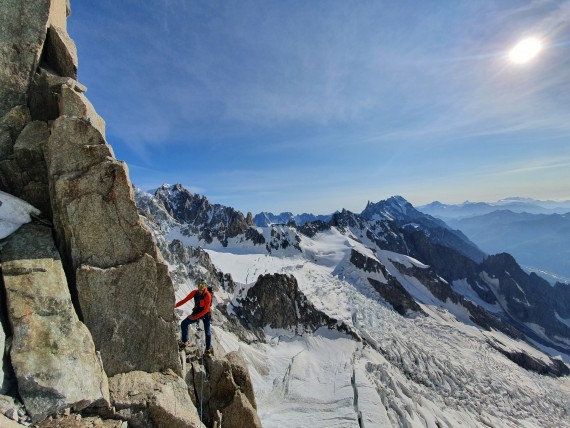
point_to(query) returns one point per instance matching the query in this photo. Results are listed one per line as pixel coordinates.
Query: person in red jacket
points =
(202, 302)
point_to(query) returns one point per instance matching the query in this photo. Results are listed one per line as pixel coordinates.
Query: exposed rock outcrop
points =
(60, 52)
(223, 390)
(275, 300)
(76, 421)
(528, 299)
(104, 242)
(139, 333)
(391, 290)
(153, 399)
(24, 171)
(22, 35)
(11, 125)
(52, 352)
(550, 367)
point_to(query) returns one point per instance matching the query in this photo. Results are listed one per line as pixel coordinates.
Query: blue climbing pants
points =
(207, 329)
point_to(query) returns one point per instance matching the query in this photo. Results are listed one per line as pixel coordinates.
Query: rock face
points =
(224, 389)
(529, 299)
(139, 333)
(107, 249)
(24, 171)
(391, 291)
(22, 35)
(52, 353)
(276, 301)
(153, 399)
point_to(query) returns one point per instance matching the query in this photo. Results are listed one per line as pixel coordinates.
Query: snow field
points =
(14, 212)
(423, 372)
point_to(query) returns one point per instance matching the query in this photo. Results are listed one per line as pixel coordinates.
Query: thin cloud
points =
(537, 165)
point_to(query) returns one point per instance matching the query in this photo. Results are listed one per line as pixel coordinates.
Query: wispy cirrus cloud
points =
(267, 99)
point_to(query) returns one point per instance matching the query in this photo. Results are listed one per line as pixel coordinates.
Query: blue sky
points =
(315, 106)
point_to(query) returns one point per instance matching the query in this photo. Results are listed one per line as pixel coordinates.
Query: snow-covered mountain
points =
(374, 320)
(410, 220)
(264, 219)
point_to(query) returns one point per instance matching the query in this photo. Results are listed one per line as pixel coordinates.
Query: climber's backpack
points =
(198, 297)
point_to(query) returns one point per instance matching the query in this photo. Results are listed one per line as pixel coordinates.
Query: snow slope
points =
(434, 371)
(14, 212)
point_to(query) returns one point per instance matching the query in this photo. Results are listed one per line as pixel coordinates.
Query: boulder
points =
(11, 124)
(60, 52)
(153, 399)
(45, 92)
(241, 376)
(8, 423)
(224, 390)
(74, 147)
(240, 413)
(58, 13)
(52, 353)
(25, 170)
(23, 25)
(74, 104)
(128, 314)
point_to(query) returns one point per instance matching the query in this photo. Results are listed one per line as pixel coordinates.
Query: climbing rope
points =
(202, 384)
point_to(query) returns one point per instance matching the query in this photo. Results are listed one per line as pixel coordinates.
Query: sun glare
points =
(525, 50)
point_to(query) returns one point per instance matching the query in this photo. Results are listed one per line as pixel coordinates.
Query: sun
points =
(525, 50)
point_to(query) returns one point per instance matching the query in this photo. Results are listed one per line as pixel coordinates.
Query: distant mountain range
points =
(264, 219)
(536, 233)
(514, 204)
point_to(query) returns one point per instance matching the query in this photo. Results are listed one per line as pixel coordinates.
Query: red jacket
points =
(204, 303)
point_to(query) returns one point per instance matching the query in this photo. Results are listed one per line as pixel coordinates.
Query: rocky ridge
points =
(264, 219)
(201, 218)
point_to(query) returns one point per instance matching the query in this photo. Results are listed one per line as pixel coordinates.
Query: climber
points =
(202, 302)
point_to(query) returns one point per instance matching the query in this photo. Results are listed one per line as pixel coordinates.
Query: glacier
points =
(435, 368)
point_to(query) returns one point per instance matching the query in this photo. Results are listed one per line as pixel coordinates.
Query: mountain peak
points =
(399, 202)
(391, 208)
